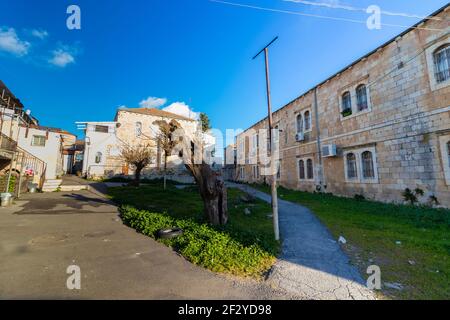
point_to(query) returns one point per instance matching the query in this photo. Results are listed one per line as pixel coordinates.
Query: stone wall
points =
(405, 127)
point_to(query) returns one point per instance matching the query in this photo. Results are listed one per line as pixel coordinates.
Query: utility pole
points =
(273, 171)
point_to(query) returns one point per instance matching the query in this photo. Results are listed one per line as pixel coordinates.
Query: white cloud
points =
(39, 33)
(152, 102)
(182, 109)
(11, 43)
(62, 56)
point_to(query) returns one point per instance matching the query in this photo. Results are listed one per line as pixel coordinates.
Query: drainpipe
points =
(320, 170)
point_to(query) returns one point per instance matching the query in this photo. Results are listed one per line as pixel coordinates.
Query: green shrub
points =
(202, 244)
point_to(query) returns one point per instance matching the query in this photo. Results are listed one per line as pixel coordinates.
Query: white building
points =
(136, 127)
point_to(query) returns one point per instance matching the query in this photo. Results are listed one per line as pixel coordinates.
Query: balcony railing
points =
(6, 143)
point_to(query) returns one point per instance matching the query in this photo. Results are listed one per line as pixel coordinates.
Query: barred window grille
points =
(448, 153)
(307, 121)
(301, 169)
(299, 123)
(367, 165)
(361, 97)
(347, 103)
(352, 171)
(442, 63)
(309, 169)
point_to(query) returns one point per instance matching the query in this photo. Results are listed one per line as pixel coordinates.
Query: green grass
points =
(372, 230)
(244, 247)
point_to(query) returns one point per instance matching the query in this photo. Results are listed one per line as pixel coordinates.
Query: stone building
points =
(375, 128)
(132, 127)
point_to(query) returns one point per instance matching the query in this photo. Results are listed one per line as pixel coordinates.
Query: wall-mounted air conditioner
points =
(300, 137)
(329, 150)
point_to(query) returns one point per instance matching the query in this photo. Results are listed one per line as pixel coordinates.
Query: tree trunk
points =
(213, 193)
(137, 176)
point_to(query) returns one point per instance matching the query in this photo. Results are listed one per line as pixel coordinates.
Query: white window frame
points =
(443, 140)
(429, 53)
(302, 114)
(347, 178)
(358, 154)
(354, 100)
(305, 168)
(40, 137)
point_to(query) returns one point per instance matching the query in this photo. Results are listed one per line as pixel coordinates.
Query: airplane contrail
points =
(242, 5)
(337, 5)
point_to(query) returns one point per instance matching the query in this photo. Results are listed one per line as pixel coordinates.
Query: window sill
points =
(355, 114)
(363, 181)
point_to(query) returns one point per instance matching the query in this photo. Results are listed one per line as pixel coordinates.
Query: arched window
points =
(448, 152)
(442, 63)
(301, 170)
(138, 129)
(361, 97)
(299, 123)
(98, 157)
(352, 172)
(309, 169)
(307, 120)
(346, 104)
(367, 165)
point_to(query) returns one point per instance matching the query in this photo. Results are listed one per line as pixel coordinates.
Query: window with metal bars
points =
(352, 171)
(346, 104)
(309, 169)
(307, 121)
(301, 170)
(448, 153)
(299, 123)
(361, 97)
(442, 63)
(367, 165)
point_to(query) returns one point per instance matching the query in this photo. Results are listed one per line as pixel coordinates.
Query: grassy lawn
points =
(244, 247)
(420, 261)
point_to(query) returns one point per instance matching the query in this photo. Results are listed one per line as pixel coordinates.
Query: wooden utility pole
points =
(273, 159)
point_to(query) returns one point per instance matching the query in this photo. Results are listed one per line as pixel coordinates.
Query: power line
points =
(351, 8)
(315, 15)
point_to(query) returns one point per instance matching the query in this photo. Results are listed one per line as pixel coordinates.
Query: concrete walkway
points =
(42, 234)
(311, 263)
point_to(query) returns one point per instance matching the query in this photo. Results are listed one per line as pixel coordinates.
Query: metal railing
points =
(6, 143)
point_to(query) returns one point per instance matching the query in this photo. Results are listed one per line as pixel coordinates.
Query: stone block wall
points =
(406, 125)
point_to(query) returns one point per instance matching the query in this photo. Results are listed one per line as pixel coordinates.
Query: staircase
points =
(51, 185)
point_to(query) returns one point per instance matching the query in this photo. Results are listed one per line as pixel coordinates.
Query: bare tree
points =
(139, 157)
(166, 140)
(211, 188)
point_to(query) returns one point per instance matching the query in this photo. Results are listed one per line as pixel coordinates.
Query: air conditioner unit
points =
(300, 137)
(329, 150)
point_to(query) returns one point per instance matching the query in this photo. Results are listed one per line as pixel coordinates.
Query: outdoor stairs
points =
(52, 185)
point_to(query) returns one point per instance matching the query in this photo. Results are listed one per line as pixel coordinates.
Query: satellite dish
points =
(28, 112)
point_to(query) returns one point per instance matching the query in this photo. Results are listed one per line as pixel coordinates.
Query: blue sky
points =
(193, 51)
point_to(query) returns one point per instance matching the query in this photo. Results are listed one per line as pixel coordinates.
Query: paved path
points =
(311, 263)
(42, 234)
